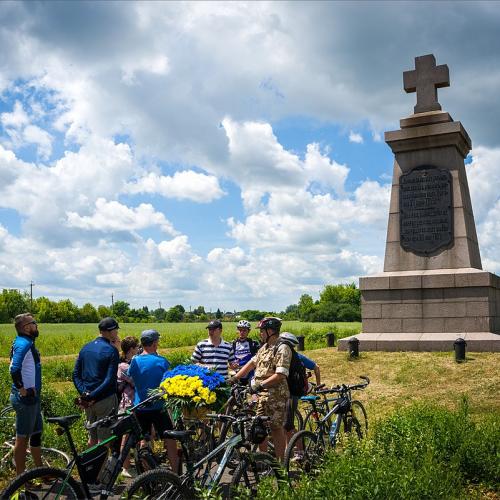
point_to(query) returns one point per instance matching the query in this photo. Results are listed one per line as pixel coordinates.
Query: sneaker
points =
(128, 474)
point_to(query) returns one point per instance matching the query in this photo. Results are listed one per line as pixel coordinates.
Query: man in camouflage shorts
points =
(271, 365)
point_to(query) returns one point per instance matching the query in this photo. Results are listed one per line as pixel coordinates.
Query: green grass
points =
(68, 338)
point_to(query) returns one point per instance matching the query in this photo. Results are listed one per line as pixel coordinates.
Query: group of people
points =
(114, 374)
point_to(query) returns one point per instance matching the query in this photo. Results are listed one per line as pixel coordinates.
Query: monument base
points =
(423, 342)
(428, 310)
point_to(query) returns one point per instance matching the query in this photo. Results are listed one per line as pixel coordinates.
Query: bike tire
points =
(357, 420)
(253, 469)
(156, 484)
(44, 482)
(298, 420)
(303, 455)
(310, 422)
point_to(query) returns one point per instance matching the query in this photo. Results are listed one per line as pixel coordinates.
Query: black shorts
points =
(159, 419)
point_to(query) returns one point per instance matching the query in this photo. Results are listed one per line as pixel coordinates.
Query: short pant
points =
(158, 419)
(28, 414)
(272, 403)
(291, 408)
(98, 410)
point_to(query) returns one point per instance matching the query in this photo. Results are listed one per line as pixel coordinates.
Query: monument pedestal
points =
(433, 289)
(428, 310)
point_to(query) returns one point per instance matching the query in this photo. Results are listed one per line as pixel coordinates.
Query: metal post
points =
(354, 348)
(330, 339)
(300, 347)
(459, 345)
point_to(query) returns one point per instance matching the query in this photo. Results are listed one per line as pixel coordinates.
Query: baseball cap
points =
(215, 323)
(149, 336)
(108, 324)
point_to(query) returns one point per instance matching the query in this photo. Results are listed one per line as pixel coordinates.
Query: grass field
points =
(68, 338)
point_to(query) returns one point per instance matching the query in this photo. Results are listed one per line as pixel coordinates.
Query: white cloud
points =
(35, 135)
(183, 185)
(355, 137)
(113, 216)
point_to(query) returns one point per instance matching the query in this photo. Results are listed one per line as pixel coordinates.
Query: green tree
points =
(341, 294)
(306, 307)
(103, 312)
(199, 310)
(88, 314)
(218, 314)
(174, 315)
(13, 302)
(66, 311)
(46, 310)
(160, 314)
(120, 309)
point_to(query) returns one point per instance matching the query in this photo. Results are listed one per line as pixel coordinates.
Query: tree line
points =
(336, 303)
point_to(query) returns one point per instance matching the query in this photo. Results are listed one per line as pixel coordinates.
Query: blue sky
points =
(221, 154)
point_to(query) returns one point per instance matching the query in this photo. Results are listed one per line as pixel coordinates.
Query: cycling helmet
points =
(271, 322)
(244, 324)
(258, 431)
(290, 337)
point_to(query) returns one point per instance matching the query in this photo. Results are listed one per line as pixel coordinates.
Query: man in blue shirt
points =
(147, 370)
(95, 375)
(26, 372)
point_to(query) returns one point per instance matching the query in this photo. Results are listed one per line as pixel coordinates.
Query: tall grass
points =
(65, 339)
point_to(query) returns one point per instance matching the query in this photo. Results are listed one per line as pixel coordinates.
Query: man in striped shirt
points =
(214, 352)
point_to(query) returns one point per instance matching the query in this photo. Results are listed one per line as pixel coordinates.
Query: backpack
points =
(297, 378)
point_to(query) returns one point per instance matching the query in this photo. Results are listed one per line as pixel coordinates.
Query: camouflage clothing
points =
(272, 403)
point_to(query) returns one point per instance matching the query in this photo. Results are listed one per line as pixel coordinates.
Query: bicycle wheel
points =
(298, 421)
(303, 455)
(158, 484)
(51, 457)
(312, 419)
(357, 420)
(48, 483)
(254, 469)
(201, 443)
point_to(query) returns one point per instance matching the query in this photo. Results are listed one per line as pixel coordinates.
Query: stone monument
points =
(433, 289)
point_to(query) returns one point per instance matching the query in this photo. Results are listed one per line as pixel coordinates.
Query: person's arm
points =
(283, 360)
(245, 370)
(77, 376)
(110, 376)
(16, 368)
(197, 355)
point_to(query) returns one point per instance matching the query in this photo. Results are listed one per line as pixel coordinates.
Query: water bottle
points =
(332, 433)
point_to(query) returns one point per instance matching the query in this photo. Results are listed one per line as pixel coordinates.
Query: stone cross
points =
(425, 79)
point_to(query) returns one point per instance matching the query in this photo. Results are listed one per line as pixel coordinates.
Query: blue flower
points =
(210, 379)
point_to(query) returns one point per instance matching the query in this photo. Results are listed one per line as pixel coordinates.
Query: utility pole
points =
(112, 302)
(31, 295)
(159, 303)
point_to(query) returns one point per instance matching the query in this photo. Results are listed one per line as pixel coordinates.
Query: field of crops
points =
(68, 338)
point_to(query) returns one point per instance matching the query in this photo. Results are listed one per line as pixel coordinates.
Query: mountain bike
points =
(51, 457)
(208, 472)
(97, 471)
(305, 451)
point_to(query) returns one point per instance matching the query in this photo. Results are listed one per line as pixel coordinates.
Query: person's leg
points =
(162, 423)
(104, 408)
(279, 440)
(90, 419)
(20, 453)
(36, 437)
(24, 426)
(273, 405)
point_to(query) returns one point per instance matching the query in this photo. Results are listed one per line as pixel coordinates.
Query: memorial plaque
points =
(425, 209)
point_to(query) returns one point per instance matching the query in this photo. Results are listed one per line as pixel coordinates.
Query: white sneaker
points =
(128, 474)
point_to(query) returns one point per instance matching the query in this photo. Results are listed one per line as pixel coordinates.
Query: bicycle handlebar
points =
(344, 387)
(232, 418)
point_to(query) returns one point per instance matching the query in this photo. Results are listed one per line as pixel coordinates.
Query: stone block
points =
(398, 342)
(380, 296)
(479, 308)
(382, 325)
(473, 278)
(482, 342)
(374, 283)
(412, 325)
(438, 280)
(437, 342)
(394, 203)
(432, 325)
(476, 294)
(471, 324)
(367, 342)
(444, 310)
(434, 294)
(412, 295)
(401, 311)
(393, 228)
(371, 311)
(406, 281)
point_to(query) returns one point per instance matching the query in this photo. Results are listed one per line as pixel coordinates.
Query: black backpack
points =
(297, 378)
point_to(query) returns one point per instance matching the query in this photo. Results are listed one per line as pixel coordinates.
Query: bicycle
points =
(51, 457)
(306, 448)
(93, 466)
(320, 405)
(251, 469)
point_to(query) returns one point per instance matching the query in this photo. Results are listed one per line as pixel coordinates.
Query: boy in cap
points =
(147, 370)
(95, 376)
(214, 352)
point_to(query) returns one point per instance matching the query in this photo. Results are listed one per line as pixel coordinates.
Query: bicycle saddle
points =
(309, 398)
(178, 435)
(64, 422)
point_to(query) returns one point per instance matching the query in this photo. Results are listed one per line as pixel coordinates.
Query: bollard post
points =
(330, 339)
(354, 348)
(300, 347)
(459, 345)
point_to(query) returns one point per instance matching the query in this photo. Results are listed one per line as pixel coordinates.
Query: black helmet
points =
(270, 322)
(258, 431)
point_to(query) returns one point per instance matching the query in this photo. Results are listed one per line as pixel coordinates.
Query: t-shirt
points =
(147, 370)
(243, 353)
(215, 357)
(308, 363)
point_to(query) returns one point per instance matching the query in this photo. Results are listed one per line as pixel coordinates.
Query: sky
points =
(229, 155)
